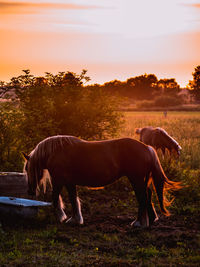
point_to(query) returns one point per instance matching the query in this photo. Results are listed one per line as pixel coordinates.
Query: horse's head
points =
(169, 142)
(33, 173)
(178, 150)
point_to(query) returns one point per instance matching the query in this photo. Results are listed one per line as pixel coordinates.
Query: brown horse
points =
(159, 139)
(71, 161)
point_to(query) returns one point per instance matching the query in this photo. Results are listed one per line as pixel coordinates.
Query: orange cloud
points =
(195, 5)
(22, 7)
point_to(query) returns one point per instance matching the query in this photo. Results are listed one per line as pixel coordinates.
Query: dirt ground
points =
(106, 238)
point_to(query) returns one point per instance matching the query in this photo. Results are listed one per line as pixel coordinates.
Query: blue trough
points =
(22, 207)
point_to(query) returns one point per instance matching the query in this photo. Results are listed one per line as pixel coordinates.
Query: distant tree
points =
(194, 85)
(116, 87)
(142, 86)
(168, 87)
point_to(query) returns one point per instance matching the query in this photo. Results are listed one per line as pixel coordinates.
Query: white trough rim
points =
(12, 173)
(23, 202)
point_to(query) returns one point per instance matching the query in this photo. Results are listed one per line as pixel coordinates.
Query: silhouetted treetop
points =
(194, 85)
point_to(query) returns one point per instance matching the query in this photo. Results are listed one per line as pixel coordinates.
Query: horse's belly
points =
(88, 167)
(95, 178)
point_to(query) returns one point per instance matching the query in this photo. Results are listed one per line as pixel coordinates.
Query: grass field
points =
(107, 239)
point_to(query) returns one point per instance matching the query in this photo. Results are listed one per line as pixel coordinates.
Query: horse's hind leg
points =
(58, 204)
(150, 208)
(140, 189)
(76, 206)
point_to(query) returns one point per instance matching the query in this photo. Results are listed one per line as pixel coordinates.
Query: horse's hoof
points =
(155, 220)
(73, 221)
(137, 224)
(63, 219)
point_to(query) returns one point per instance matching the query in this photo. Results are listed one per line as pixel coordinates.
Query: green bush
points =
(10, 137)
(55, 105)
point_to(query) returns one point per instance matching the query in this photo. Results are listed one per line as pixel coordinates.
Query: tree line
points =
(147, 88)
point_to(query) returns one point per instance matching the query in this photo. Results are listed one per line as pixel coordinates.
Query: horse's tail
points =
(161, 183)
(138, 130)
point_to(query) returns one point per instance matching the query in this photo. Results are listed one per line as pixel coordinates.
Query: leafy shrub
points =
(58, 104)
(10, 120)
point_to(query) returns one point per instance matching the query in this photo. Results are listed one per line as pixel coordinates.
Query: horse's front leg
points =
(77, 217)
(58, 204)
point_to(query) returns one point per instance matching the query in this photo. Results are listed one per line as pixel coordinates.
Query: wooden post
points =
(13, 184)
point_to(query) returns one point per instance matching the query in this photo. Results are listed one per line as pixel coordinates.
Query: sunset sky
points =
(112, 39)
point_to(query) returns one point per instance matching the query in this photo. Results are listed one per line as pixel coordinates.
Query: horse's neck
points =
(169, 142)
(147, 136)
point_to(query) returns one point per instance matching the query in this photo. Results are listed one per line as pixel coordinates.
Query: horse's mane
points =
(51, 144)
(171, 139)
(44, 149)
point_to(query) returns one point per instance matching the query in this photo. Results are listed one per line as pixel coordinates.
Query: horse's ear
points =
(25, 156)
